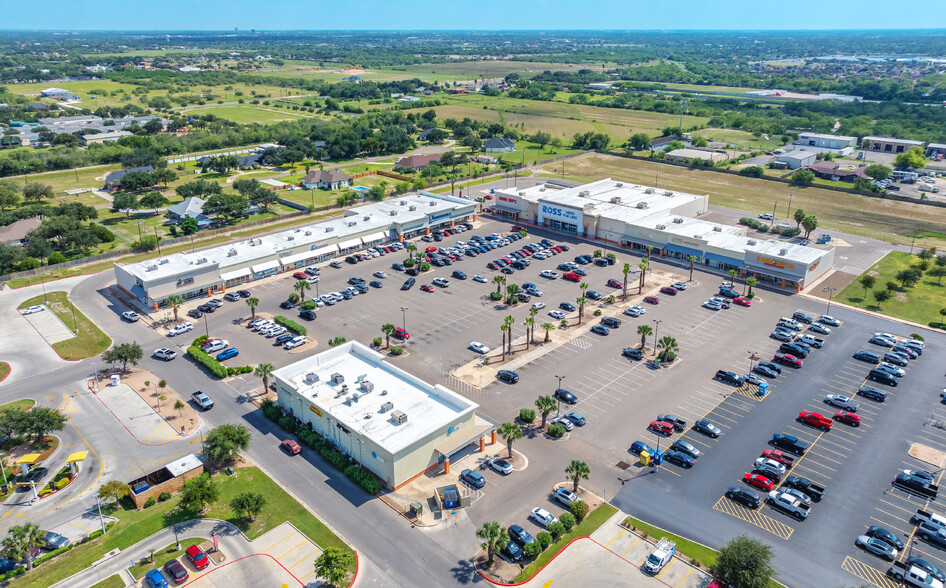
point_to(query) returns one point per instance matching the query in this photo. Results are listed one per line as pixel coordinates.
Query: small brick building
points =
(169, 478)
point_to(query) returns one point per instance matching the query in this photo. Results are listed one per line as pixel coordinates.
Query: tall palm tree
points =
(509, 432)
(545, 405)
(264, 371)
(626, 270)
(252, 303)
(175, 300)
(548, 329)
(505, 329)
(302, 286)
(494, 538)
(510, 321)
(578, 470)
(388, 330)
(750, 281)
(529, 324)
(21, 540)
(667, 345)
(580, 301)
(499, 280)
(691, 259)
(532, 314)
(644, 331)
(511, 291)
(643, 265)
(649, 249)
(732, 276)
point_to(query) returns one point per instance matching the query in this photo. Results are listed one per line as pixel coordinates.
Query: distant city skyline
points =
(487, 15)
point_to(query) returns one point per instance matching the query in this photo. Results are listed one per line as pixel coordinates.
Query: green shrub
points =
(556, 530)
(377, 341)
(598, 253)
(294, 298)
(231, 371)
(397, 350)
(94, 535)
(164, 496)
(199, 340)
(45, 491)
(526, 415)
(51, 554)
(336, 341)
(495, 296)
(544, 540)
(556, 431)
(408, 262)
(579, 509)
(598, 312)
(424, 266)
(288, 424)
(792, 232)
(290, 325)
(270, 409)
(567, 521)
(11, 574)
(61, 483)
(150, 502)
(363, 478)
(308, 305)
(611, 255)
(204, 358)
(532, 550)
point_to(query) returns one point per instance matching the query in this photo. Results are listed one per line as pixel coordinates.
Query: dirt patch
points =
(184, 418)
(837, 280)
(926, 453)
(309, 345)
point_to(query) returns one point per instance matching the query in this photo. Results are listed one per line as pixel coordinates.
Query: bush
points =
(294, 298)
(203, 358)
(598, 312)
(270, 409)
(424, 266)
(567, 521)
(532, 550)
(164, 496)
(61, 483)
(753, 171)
(290, 324)
(792, 232)
(495, 296)
(11, 574)
(51, 554)
(308, 305)
(579, 509)
(45, 491)
(556, 530)
(336, 341)
(288, 424)
(556, 431)
(150, 502)
(526, 415)
(397, 350)
(231, 371)
(363, 478)
(408, 262)
(544, 540)
(377, 341)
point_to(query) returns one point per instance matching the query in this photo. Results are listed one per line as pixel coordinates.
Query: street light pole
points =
(206, 328)
(656, 329)
(830, 292)
(3, 455)
(788, 215)
(774, 209)
(101, 520)
(404, 317)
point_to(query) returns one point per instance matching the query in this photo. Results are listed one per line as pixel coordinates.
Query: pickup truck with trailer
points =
(202, 400)
(932, 519)
(789, 503)
(815, 491)
(780, 456)
(816, 342)
(659, 557)
(916, 485)
(912, 575)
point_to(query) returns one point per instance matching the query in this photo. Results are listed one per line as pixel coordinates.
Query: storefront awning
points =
(468, 434)
(326, 250)
(685, 250)
(264, 266)
(349, 244)
(723, 259)
(505, 209)
(379, 236)
(775, 273)
(28, 459)
(226, 277)
(291, 259)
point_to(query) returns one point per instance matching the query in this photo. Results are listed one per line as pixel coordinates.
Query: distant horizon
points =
(499, 31)
(484, 16)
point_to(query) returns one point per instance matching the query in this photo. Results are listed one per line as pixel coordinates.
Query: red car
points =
(571, 276)
(197, 557)
(431, 249)
(848, 418)
(615, 283)
(779, 456)
(291, 446)
(427, 288)
(651, 299)
(788, 359)
(742, 301)
(401, 334)
(815, 420)
(669, 290)
(662, 427)
(300, 275)
(759, 481)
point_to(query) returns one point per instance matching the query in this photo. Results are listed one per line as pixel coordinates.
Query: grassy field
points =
(135, 525)
(850, 213)
(23, 404)
(90, 340)
(242, 113)
(738, 138)
(920, 303)
(700, 88)
(110, 582)
(4, 370)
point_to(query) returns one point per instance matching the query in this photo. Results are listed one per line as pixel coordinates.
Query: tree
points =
(388, 330)
(926, 254)
(803, 176)
(882, 295)
(34, 192)
(750, 281)
(578, 470)
(878, 172)
(549, 326)
(199, 492)
(153, 200)
(494, 538)
(799, 216)
(642, 266)
(809, 223)
(644, 331)
(333, 565)
(198, 188)
(505, 329)
(41, 421)
(9, 198)
(263, 371)
(226, 205)
(545, 406)
(376, 193)
(510, 432)
(542, 138)
(252, 302)
(912, 158)
(744, 563)
(499, 280)
(175, 300)
(163, 175)
(580, 301)
(124, 202)
(21, 540)
(136, 180)
(868, 282)
(908, 277)
(510, 321)
(937, 272)
(529, 324)
(189, 225)
(639, 141)
(555, 144)
(626, 270)
(123, 353)
(668, 347)
(249, 504)
(179, 407)
(114, 490)
(225, 443)
(302, 286)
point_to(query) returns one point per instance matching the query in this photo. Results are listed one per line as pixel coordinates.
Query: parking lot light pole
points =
(830, 292)
(101, 520)
(3, 455)
(656, 327)
(404, 317)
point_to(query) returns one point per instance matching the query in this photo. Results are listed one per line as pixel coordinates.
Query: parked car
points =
(872, 393)
(228, 353)
(632, 353)
(651, 300)
(707, 428)
(661, 428)
(565, 496)
(543, 517)
(638, 446)
(759, 481)
(32, 309)
(291, 446)
(867, 356)
(507, 376)
(155, 579)
(679, 425)
(848, 418)
(745, 497)
(600, 330)
(297, 341)
(520, 535)
(565, 396)
(472, 478)
(678, 458)
(668, 290)
(180, 328)
(479, 347)
(500, 465)
(575, 418)
(165, 354)
(876, 546)
(197, 557)
(130, 316)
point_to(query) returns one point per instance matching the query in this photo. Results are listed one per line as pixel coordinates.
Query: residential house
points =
(834, 171)
(58, 94)
(37, 106)
(192, 207)
(415, 162)
(16, 233)
(423, 135)
(499, 145)
(327, 179)
(113, 179)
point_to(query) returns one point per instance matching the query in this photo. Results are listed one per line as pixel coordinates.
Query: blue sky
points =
(467, 15)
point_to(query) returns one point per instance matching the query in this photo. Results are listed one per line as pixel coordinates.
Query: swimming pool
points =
(361, 189)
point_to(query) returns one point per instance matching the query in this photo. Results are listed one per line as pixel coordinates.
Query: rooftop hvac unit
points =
(387, 406)
(619, 185)
(678, 220)
(367, 386)
(697, 236)
(311, 378)
(718, 229)
(783, 251)
(616, 200)
(297, 230)
(337, 378)
(433, 203)
(308, 233)
(641, 205)
(668, 193)
(399, 417)
(366, 217)
(352, 223)
(202, 260)
(584, 193)
(661, 227)
(151, 268)
(542, 189)
(751, 242)
(393, 213)
(231, 253)
(412, 208)
(522, 193)
(163, 261)
(649, 191)
(329, 229)
(402, 202)
(290, 238)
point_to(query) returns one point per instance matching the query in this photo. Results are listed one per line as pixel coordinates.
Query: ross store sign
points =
(558, 213)
(776, 263)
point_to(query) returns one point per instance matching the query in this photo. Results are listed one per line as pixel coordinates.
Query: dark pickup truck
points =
(917, 485)
(789, 443)
(815, 491)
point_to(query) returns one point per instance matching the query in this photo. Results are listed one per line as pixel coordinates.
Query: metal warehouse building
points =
(394, 424)
(213, 270)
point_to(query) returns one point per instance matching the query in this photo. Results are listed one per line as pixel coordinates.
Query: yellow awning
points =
(77, 456)
(28, 459)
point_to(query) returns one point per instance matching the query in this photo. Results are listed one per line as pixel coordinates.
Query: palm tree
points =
(505, 328)
(263, 371)
(627, 270)
(667, 345)
(179, 407)
(529, 324)
(411, 250)
(509, 432)
(302, 286)
(175, 300)
(388, 330)
(493, 536)
(512, 290)
(751, 282)
(644, 331)
(545, 404)
(532, 314)
(732, 276)
(499, 281)
(578, 470)
(691, 259)
(510, 321)
(649, 249)
(548, 329)
(21, 540)
(643, 265)
(580, 301)
(252, 303)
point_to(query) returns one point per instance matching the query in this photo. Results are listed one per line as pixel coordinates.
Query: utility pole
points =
(912, 241)
(101, 520)
(157, 239)
(683, 104)
(656, 328)
(830, 292)
(404, 310)
(774, 208)
(788, 215)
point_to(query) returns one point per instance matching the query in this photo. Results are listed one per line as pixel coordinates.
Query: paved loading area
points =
(138, 418)
(289, 549)
(49, 326)
(85, 524)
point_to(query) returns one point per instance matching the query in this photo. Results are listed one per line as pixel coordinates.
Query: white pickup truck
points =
(790, 504)
(913, 576)
(202, 400)
(816, 342)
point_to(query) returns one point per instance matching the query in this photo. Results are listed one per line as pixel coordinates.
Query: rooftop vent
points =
(668, 193)
(783, 251)
(399, 417)
(311, 378)
(255, 242)
(231, 253)
(393, 213)
(308, 233)
(337, 378)
(718, 229)
(584, 193)
(366, 217)
(290, 238)
(697, 236)
(297, 230)
(619, 185)
(329, 229)
(641, 205)
(387, 406)
(751, 242)
(649, 191)
(616, 200)
(352, 223)
(367, 386)
(433, 203)
(163, 261)
(412, 208)
(402, 202)
(522, 193)
(661, 227)
(678, 220)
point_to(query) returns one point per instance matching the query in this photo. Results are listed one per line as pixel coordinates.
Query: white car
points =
(567, 423)
(217, 345)
(276, 332)
(181, 328)
(538, 305)
(32, 309)
(479, 347)
(130, 316)
(542, 517)
(479, 278)
(295, 342)
(635, 310)
(165, 354)
(680, 285)
(312, 279)
(549, 274)
(765, 462)
(841, 402)
(712, 305)
(380, 274)
(263, 324)
(326, 299)
(557, 314)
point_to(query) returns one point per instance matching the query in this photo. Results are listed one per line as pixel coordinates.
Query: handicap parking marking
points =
(756, 518)
(867, 573)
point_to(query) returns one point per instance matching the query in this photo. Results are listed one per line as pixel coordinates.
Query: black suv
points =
(565, 396)
(796, 350)
(508, 376)
(459, 275)
(408, 284)
(610, 321)
(802, 318)
(412, 271)
(729, 378)
(728, 293)
(632, 353)
(882, 377)
(868, 356)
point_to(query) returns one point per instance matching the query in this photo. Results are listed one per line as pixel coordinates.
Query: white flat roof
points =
(184, 465)
(791, 251)
(825, 136)
(799, 155)
(891, 140)
(428, 407)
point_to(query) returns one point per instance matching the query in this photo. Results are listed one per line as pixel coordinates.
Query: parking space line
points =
(306, 540)
(615, 539)
(887, 524)
(639, 539)
(867, 573)
(305, 559)
(758, 519)
(908, 511)
(685, 577)
(804, 467)
(273, 546)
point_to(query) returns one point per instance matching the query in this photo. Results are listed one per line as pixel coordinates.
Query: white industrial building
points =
(837, 144)
(641, 217)
(798, 159)
(391, 422)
